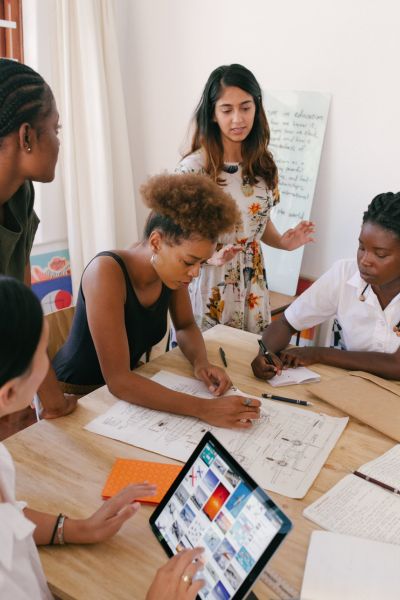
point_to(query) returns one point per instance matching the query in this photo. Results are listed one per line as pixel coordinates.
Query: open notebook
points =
(358, 507)
(294, 376)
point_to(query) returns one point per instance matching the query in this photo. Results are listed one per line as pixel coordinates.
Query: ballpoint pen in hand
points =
(266, 353)
(289, 400)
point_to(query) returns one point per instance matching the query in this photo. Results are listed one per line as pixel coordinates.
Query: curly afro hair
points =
(188, 205)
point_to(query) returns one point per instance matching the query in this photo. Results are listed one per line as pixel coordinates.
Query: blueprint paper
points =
(283, 451)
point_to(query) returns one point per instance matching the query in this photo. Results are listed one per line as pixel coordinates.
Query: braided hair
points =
(384, 210)
(25, 97)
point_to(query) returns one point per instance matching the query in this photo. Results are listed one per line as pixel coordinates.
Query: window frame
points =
(11, 38)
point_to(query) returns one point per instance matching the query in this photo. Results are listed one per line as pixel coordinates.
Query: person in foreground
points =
(125, 296)
(23, 365)
(363, 295)
(29, 145)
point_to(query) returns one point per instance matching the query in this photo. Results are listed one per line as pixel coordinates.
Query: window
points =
(11, 45)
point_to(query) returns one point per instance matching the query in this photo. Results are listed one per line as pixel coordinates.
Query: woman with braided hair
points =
(364, 296)
(29, 125)
(125, 296)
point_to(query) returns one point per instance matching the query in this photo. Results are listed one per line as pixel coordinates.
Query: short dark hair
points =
(257, 159)
(25, 97)
(384, 210)
(188, 205)
(21, 323)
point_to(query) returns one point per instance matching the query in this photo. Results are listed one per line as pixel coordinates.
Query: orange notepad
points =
(126, 471)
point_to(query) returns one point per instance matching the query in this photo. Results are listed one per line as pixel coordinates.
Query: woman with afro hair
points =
(125, 296)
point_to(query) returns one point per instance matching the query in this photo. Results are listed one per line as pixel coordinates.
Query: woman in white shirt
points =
(23, 366)
(364, 296)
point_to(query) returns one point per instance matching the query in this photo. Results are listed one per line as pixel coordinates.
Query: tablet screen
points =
(215, 504)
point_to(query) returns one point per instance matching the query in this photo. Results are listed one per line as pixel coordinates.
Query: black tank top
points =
(77, 362)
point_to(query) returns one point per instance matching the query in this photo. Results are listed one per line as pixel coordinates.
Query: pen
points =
(376, 482)
(290, 400)
(223, 356)
(265, 352)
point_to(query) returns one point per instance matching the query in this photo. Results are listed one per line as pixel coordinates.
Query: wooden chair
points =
(59, 323)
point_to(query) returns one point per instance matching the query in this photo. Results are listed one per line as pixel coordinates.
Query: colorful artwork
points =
(51, 280)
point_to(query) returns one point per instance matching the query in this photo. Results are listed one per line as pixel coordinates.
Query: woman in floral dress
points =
(230, 145)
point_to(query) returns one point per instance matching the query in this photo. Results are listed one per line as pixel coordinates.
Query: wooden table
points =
(61, 467)
(279, 302)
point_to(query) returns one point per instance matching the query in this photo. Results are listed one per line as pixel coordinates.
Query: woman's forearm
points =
(139, 390)
(73, 529)
(378, 363)
(191, 343)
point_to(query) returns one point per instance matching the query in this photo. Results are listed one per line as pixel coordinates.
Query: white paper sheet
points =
(342, 567)
(360, 508)
(284, 451)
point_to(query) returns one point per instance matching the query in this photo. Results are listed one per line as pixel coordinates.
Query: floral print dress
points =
(235, 294)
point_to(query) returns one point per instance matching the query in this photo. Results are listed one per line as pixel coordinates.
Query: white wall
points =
(350, 48)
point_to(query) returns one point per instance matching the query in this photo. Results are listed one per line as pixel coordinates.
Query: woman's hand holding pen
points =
(266, 364)
(109, 518)
(229, 411)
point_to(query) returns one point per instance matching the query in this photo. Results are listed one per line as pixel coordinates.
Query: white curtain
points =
(95, 157)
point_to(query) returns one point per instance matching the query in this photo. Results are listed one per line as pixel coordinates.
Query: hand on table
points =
(298, 236)
(174, 581)
(300, 357)
(109, 518)
(67, 406)
(216, 379)
(230, 411)
(263, 369)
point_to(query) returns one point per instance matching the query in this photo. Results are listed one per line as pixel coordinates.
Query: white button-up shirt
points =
(365, 326)
(21, 574)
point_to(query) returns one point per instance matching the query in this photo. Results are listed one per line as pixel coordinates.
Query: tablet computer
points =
(215, 504)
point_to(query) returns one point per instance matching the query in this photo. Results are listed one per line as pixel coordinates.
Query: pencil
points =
(223, 356)
(289, 400)
(376, 482)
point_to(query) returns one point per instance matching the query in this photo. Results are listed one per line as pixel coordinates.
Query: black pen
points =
(290, 400)
(266, 353)
(223, 356)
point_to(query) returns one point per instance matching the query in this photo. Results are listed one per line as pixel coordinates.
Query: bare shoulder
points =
(103, 273)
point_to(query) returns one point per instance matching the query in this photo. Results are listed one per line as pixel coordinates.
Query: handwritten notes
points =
(361, 508)
(297, 122)
(284, 451)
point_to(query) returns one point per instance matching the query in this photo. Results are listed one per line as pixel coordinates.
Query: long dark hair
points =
(25, 97)
(257, 159)
(21, 323)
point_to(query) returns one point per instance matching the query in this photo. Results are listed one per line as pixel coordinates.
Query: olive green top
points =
(18, 231)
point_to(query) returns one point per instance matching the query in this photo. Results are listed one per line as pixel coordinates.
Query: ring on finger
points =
(187, 579)
(247, 401)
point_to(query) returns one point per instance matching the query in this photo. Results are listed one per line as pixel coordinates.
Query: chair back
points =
(59, 327)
